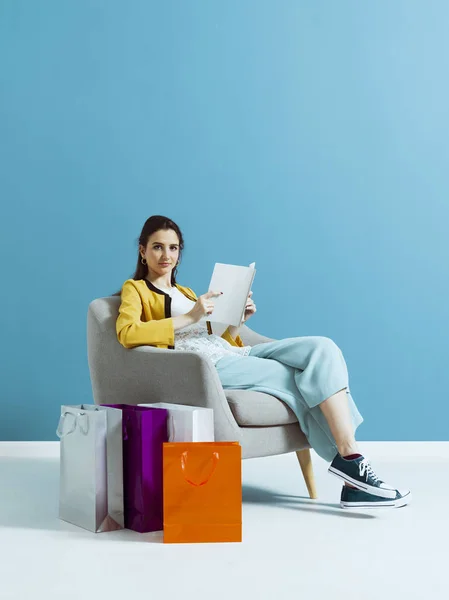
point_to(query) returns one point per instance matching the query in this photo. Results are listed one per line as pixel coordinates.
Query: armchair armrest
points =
(148, 374)
(251, 337)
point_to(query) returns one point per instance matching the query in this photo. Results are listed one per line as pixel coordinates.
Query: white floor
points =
(292, 546)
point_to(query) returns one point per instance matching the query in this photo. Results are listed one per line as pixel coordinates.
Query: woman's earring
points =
(142, 261)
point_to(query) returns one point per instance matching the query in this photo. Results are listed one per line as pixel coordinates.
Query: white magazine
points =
(235, 282)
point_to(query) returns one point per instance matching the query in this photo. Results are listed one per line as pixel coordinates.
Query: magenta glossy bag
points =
(144, 433)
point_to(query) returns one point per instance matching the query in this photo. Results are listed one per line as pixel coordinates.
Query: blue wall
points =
(310, 137)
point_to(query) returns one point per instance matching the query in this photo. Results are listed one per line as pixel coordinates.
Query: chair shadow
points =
(30, 500)
(256, 495)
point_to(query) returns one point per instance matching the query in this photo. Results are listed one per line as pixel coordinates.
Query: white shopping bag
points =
(188, 423)
(91, 469)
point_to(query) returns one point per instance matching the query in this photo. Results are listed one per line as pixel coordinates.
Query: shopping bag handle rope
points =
(215, 457)
(126, 420)
(59, 431)
(173, 431)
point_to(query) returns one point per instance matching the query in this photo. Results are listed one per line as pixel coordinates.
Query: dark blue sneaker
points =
(359, 473)
(352, 498)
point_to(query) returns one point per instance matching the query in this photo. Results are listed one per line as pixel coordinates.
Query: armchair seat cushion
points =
(258, 409)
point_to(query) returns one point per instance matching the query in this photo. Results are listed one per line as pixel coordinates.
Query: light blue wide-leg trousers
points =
(301, 371)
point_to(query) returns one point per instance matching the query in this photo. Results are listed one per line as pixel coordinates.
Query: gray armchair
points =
(261, 423)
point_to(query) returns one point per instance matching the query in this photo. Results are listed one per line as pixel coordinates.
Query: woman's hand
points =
(203, 306)
(250, 308)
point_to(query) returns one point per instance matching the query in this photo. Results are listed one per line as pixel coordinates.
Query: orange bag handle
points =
(215, 457)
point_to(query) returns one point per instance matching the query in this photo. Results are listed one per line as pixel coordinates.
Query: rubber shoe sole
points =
(397, 503)
(375, 491)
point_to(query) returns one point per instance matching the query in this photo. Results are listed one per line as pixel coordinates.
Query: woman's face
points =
(161, 252)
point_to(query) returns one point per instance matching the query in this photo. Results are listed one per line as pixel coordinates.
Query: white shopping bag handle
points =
(83, 428)
(173, 432)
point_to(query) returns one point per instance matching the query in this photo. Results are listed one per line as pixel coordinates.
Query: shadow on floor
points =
(30, 500)
(256, 495)
(30, 496)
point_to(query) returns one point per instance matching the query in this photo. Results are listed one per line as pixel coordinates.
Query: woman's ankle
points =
(348, 450)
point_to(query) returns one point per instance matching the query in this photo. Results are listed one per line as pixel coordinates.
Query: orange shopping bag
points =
(202, 492)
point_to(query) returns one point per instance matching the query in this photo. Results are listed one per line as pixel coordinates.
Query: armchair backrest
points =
(106, 356)
(102, 316)
(104, 351)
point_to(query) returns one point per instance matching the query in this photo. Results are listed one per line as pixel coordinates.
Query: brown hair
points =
(153, 224)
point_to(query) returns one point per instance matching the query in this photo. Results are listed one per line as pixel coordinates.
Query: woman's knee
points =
(327, 346)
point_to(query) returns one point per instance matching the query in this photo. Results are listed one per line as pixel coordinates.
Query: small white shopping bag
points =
(91, 468)
(188, 423)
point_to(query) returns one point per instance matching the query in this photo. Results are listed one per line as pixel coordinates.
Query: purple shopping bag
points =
(144, 432)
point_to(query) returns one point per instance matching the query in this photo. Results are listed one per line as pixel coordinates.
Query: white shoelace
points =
(365, 466)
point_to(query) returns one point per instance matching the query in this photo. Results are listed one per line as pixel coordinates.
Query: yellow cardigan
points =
(145, 316)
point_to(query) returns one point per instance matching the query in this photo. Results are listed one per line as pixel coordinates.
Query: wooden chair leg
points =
(305, 462)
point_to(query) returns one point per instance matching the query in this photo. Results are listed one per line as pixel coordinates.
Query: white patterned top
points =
(196, 337)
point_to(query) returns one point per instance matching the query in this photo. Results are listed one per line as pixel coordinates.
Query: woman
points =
(308, 373)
